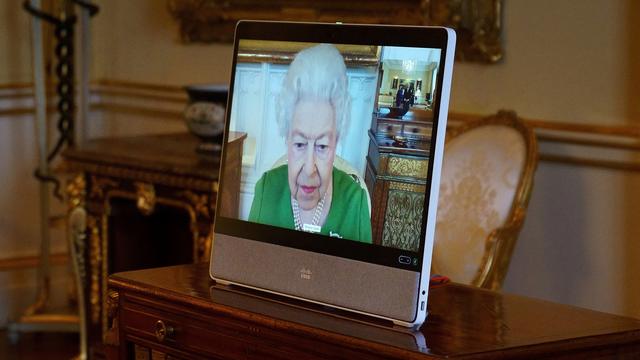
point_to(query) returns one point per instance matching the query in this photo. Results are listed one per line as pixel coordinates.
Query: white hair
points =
(316, 73)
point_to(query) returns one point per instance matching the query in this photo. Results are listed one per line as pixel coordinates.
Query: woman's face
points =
(311, 149)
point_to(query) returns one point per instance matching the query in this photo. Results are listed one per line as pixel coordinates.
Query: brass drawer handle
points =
(163, 331)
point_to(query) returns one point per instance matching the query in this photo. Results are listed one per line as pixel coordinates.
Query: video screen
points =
(332, 139)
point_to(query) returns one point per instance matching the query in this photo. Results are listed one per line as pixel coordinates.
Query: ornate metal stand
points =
(35, 318)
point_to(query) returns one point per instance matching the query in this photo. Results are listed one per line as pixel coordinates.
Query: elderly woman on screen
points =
(309, 193)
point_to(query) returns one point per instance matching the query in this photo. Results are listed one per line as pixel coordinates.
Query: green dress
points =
(348, 216)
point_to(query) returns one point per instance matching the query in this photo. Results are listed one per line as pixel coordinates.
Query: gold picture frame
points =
(478, 23)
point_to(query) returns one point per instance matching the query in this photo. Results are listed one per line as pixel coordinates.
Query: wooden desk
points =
(464, 322)
(150, 202)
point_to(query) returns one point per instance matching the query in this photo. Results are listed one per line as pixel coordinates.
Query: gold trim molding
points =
(145, 197)
(144, 176)
(608, 164)
(478, 23)
(98, 184)
(200, 203)
(111, 336)
(279, 52)
(620, 137)
(95, 262)
(395, 185)
(407, 167)
(626, 131)
(76, 190)
(28, 262)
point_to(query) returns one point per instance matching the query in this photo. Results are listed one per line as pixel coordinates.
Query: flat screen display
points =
(336, 141)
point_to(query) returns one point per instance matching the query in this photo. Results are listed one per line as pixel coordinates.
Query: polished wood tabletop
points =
(463, 321)
(173, 153)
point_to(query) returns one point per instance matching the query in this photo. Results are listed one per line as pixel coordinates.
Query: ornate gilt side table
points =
(149, 202)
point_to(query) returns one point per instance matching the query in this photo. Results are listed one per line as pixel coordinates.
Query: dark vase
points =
(205, 115)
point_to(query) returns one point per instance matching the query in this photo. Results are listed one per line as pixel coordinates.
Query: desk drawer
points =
(210, 336)
(180, 333)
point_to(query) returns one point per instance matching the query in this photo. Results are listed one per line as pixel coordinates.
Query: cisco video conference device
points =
(325, 211)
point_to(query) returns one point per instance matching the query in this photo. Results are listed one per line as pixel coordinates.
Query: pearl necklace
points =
(316, 216)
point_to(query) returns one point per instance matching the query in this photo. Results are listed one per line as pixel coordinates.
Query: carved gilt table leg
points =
(77, 227)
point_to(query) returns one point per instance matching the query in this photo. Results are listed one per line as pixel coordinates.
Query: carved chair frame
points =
(501, 241)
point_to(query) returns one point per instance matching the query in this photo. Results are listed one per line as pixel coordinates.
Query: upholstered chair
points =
(486, 182)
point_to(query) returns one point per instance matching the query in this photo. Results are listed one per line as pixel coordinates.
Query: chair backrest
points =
(486, 182)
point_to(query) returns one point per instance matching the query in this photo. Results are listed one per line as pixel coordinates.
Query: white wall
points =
(14, 43)
(564, 60)
(138, 41)
(570, 62)
(579, 244)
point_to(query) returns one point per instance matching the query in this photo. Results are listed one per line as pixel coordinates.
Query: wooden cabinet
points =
(396, 176)
(179, 313)
(150, 202)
